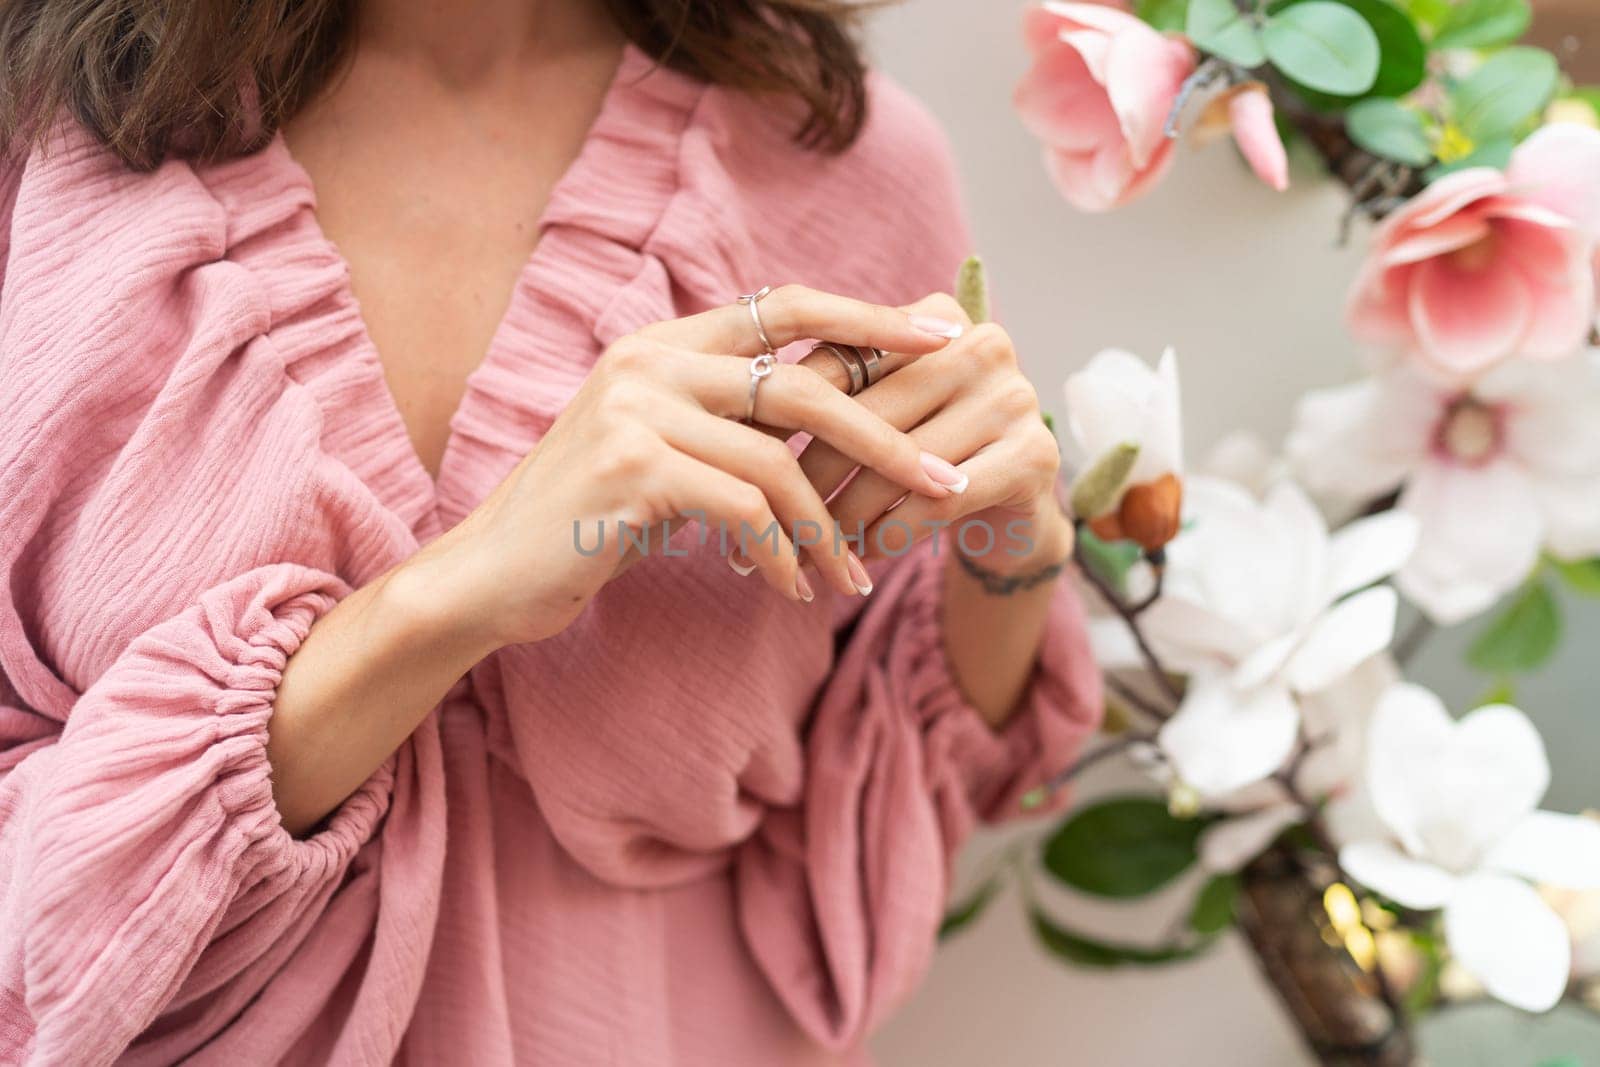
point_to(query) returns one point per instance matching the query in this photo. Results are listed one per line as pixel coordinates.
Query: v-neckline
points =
(631, 65)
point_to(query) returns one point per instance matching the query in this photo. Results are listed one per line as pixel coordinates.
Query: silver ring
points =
(871, 363)
(852, 366)
(761, 367)
(750, 300)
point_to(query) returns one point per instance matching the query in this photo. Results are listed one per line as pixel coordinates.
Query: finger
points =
(903, 401)
(767, 463)
(699, 489)
(956, 433)
(831, 366)
(793, 312)
(796, 399)
(990, 484)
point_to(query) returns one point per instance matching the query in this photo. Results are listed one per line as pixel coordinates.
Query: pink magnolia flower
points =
(1495, 473)
(1098, 96)
(1485, 265)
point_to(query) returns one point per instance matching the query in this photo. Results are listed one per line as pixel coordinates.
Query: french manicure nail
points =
(944, 473)
(802, 587)
(858, 574)
(740, 565)
(936, 326)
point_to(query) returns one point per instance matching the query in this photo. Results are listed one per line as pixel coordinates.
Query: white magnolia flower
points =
(1494, 473)
(1335, 722)
(1124, 438)
(1458, 802)
(1260, 605)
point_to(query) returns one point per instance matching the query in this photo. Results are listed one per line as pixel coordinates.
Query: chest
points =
(434, 198)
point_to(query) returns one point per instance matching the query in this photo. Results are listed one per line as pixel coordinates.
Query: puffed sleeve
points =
(174, 518)
(841, 896)
(144, 865)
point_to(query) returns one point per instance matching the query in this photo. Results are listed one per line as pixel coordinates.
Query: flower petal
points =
(1510, 940)
(1466, 319)
(1555, 167)
(1450, 235)
(1370, 549)
(1230, 844)
(1464, 561)
(1144, 75)
(1256, 133)
(1384, 868)
(1360, 441)
(1222, 739)
(1060, 104)
(1449, 790)
(1550, 848)
(1356, 629)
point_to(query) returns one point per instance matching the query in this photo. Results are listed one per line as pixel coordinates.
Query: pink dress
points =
(704, 825)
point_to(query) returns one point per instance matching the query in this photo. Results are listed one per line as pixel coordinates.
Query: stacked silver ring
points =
(762, 366)
(863, 365)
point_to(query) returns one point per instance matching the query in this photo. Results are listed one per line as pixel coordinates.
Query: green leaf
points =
(1483, 24)
(1213, 910)
(962, 914)
(1218, 27)
(1090, 952)
(1168, 16)
(1391, 130)
(1524, 635)
(1122, 847)
(972, 289)
(1582, 575)
(1404, 57)
(1095, 491)
(1324, 46)
(1496, 154)
(1111, 560)
(1510, 88)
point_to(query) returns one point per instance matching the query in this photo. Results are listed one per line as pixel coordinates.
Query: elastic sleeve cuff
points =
(1060, 708)
(149, 830)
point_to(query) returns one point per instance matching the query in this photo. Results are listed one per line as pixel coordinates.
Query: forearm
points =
(366, 676)
(992, 640)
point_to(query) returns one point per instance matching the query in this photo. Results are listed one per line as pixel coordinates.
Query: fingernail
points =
(858, 574)
(740, 566)
(938, 327)
(802, 587)
(944, 473)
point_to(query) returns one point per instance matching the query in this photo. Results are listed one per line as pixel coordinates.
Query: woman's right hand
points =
(654, 435)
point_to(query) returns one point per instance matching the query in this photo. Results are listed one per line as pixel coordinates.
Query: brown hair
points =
(212, 78)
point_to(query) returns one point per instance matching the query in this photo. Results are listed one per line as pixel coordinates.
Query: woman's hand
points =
(653, 436)
(969, 403)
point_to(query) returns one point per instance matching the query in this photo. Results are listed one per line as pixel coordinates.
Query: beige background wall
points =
(1248, 285)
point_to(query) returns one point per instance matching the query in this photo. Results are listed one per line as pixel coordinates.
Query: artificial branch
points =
(1129, 614)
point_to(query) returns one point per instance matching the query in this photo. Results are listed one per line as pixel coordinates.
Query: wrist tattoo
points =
(996, 584)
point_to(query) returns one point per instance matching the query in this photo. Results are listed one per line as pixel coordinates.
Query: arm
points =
(992, 639)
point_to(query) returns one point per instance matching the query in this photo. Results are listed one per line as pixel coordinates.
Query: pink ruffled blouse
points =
(704, 825)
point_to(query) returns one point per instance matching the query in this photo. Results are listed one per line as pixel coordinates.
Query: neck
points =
(465, 42)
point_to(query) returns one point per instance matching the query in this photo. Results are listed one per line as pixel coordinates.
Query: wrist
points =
(426, 597)
(1043, 539)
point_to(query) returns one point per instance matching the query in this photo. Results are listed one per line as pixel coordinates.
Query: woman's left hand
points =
(968, 403)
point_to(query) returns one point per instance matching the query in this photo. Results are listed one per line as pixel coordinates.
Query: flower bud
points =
(1152, 514)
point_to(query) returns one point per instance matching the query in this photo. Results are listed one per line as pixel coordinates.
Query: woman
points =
(328, 732)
